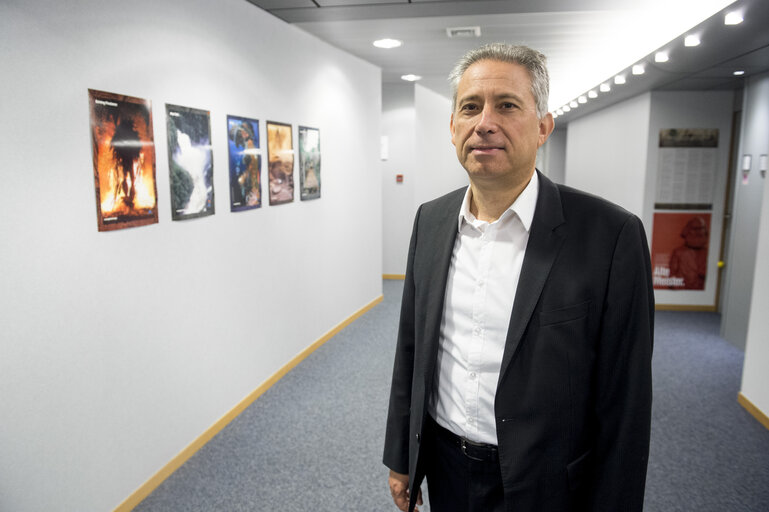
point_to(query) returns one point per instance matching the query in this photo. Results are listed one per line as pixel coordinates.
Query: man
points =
(522, 376)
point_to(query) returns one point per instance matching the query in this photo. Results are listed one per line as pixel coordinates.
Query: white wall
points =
(399, 127)
(551, 157)
(755, 377)
(606, 153)
(439, 169)
(120, 348)
(741, 258)
(692, 109)
(416, 122)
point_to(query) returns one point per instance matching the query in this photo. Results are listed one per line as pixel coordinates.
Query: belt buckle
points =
(463, 444)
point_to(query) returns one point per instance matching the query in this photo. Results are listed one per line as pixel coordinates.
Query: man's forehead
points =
(504, 78)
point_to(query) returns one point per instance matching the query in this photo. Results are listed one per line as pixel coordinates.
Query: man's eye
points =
(469, 107)
(508, 105)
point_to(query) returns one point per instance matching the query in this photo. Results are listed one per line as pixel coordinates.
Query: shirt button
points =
(472, 375)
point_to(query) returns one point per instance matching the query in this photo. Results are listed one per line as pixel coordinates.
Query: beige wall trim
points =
(394, 276)
(753, 410)
(683, 307)
(150, 485)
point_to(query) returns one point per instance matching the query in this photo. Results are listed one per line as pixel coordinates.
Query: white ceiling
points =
(587, 41)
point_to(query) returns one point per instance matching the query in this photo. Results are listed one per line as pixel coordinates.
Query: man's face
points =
(494, 125)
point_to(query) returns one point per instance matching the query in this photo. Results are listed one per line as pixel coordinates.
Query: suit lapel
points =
(545, 241)
(438, 243)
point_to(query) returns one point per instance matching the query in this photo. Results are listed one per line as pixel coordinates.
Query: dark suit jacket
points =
(573, 401)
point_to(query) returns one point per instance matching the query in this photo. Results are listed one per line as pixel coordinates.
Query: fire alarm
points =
(398, 178)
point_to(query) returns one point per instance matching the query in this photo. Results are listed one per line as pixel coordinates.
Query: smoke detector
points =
(463, 31)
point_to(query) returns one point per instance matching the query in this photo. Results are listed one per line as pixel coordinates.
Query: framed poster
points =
(687, 169)
(680, 243)
(190, 162)
(309, 162)
(123, 160)
(280, 162)
(245, 163)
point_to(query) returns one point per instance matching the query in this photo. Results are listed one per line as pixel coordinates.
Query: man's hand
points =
(399, 489)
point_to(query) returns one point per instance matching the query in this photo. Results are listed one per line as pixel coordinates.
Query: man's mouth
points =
(485, 149)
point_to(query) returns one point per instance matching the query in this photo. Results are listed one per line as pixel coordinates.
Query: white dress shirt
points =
(483, 277)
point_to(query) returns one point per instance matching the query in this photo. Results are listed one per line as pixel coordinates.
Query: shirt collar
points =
(523, 206)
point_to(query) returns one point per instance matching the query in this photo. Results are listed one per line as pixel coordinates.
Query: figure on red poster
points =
(680, 250)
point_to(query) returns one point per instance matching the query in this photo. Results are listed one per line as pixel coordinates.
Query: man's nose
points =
(487, 122)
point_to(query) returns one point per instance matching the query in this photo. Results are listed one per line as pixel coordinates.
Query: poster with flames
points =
(190, 162)
(123, 160)
(680, 243)
(280, 161)
(245, 163)
(309, 162)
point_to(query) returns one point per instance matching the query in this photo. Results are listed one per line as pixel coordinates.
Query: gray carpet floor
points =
(313, 442)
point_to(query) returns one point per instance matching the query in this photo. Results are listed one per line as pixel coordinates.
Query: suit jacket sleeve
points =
(623, 384)
(396, 449)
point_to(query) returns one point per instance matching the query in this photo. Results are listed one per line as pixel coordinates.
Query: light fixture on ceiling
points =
(582, 99)
(592, 94)
(411, 78)
(661, 57)
(739, 72)
(692, 40)
(573, 104)
(463, 31)
(619, 79)
(604, 87)
(387, 43)
(733, 18)
(559, 111)
(566, 108)
(638, 69)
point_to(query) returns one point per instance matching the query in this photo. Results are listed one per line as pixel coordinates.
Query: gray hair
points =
(533, 61)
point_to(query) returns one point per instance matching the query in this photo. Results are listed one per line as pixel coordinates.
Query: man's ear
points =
(546, 127)
(451, 128)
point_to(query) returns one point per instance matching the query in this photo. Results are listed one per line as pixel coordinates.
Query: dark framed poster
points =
(280, 162)
(190, 162)
(123, 160)
(680, 242)
(309, 162)
(245, 163)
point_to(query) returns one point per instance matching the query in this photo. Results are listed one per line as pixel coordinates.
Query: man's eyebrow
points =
(501, 96)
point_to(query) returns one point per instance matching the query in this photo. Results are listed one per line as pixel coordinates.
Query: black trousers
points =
(461, 476)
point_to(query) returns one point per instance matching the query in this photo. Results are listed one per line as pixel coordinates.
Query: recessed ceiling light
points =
(619, 79)
(387, 43)
(566, 108)
(739, 72)
(638, 69)
(692, 40)
(582, 99)
(661, 57)
(733, 18)
(555, 115)
(411, 78)
(559, 111)
(573, 104)
(605, 87)
(592, 94)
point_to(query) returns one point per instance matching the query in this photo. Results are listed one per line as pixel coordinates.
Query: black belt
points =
(471, 449)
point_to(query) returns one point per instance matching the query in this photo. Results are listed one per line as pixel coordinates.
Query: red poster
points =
(680, 250)
(123, 160)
